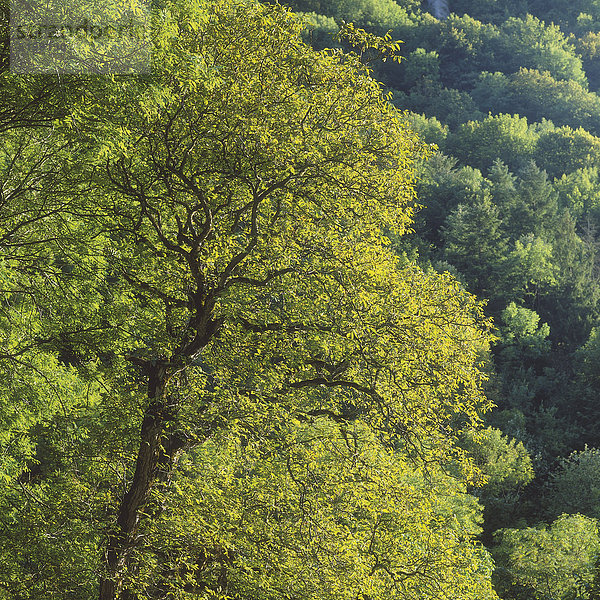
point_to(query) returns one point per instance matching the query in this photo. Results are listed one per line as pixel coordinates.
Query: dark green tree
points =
(475, 244)
(534, 207)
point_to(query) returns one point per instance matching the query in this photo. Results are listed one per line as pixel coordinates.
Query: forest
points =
(309, 309)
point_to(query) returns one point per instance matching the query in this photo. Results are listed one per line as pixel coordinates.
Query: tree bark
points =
(121, 539)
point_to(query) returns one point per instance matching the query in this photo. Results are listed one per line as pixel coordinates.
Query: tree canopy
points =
(253, 396)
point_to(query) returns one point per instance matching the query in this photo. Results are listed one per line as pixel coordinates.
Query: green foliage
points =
(370, 47)
(320, 30)
(525, 235)
(520, 326)
(219, 379)
(255, 397)
(380, 15)
(588, 356)
(530, 43)
(502, 184)
(573, 485)
(504, 463)
(491, 11)
(568, 14)
(505, 137)
(578, 192)
(332, 490)
(577, 282)
(492, 93)
(555, 561)
(534, 207)
(464, 49)
(430, 130)
(536, 95)
(469, 47)
(530, 267)
(506, 469)
(473, 239)
(589, 47)
(442, 188)
(421, 67)
(450, 106)
(566, 150)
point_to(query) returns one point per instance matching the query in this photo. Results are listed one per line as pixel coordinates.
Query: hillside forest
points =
(308, 311)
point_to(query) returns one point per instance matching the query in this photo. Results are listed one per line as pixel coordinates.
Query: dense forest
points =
(303, 312)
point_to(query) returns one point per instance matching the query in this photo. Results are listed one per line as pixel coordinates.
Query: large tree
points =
(268, 389)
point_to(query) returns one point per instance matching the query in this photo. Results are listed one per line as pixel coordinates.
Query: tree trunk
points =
(121, 539)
